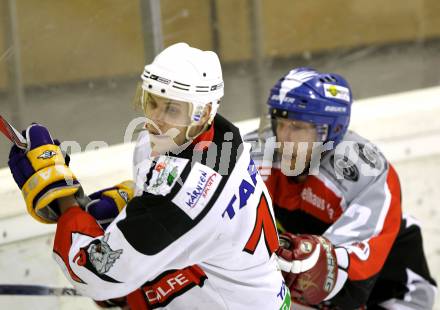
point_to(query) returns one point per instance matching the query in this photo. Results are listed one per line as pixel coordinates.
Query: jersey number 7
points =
(263, 223)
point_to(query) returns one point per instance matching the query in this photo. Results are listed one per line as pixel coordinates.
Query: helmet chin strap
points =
(188, 138)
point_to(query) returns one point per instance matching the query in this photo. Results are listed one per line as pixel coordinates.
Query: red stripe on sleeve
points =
(73, 220)
(137, 300)
(381, 244)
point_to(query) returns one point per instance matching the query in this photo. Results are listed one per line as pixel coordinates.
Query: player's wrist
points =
(65, 203)
(106, 204)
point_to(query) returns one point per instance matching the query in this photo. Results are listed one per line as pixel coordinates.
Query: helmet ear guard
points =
(198, 121)
(323, 99)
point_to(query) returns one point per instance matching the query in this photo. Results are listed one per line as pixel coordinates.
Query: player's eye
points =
(281, 123)
(294, 126)
(173, 110)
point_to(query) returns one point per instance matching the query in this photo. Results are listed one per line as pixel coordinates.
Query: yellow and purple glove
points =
(42, 174)
(106, 204)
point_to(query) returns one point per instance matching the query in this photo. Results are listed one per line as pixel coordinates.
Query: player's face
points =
(167, 122)
(297, 133)
(167, 113)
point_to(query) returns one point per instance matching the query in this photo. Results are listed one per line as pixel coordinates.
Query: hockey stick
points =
(12, 134)
(19, 289)
(36, 290)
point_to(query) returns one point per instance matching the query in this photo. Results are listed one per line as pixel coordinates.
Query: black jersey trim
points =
(154, 222)
(300, 222)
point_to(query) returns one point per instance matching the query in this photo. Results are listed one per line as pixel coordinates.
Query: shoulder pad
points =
(354, 163)
(263, 146)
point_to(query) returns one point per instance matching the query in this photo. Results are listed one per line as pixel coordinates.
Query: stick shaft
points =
(36, 290)
(12, 134)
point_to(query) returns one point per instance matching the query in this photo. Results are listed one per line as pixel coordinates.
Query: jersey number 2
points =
(263, 223)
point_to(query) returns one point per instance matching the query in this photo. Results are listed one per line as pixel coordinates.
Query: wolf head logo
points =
(102, 256)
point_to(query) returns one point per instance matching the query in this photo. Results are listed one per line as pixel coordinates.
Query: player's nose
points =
(158, 116)
(284, 134)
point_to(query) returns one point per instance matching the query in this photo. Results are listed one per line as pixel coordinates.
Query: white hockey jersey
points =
(199, 235)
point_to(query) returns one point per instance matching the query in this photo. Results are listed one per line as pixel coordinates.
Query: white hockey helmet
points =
(184, 73)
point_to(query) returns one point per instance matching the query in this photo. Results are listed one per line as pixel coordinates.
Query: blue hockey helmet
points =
(323, 99)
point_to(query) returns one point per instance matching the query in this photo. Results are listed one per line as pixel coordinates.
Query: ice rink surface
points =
(407, 132)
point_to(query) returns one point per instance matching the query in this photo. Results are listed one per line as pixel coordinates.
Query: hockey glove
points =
(42, 174)
(309, 266)
(107, 203)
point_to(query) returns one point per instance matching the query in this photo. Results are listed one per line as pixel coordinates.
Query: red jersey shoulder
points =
(314, 196)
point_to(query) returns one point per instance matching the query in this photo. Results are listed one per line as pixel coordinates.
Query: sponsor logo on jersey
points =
(173, 283)
(202, 190)
(344, 168)
(370, 155)
(245, 190)
(284, 295)
(47, 154)
(165, 174)
(336, 92)
(309, 196)
(197, 190)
